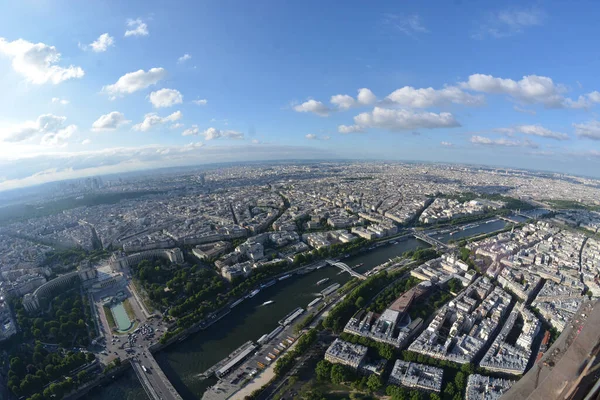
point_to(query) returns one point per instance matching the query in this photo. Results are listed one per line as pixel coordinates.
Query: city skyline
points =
(98, 89)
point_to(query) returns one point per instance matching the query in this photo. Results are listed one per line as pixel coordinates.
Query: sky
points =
(90, 88)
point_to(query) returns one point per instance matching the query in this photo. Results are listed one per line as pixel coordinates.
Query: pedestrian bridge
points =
(346, 268)
(428, 239)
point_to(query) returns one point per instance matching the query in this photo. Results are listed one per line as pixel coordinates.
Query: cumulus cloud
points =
(166, 98)
(447, 144)
(213, 133)
(183, 58)
(350, 129)
(400, 120)
(134, 81)
(507, 23)
(85, 142)
(588, 130)
(408, 96)
(344, 102)
(313, 106)
(58, 100)
(530, 89)
(410, 25)
(109, 122)
(200, 102)
(138, 28)
(102, 43)
(584, 101)
(502, 142)
(50, 127)
(58, 138)
(152, 119)
(37, 63)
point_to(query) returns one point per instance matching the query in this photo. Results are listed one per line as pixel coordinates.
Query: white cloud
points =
(58, 138)
(152, 119)
(312, 136)
(200, 102)
(50, 127)
(313, 106)
(509, 22)
(138, 28)
(530, 89)
(134, 81)
(524, 110)
(166, 98)
(584, 101)
(37, 63)
(533, 130)
(344, 102)
(429, 97)
(213, 133)
(447, 144)
(102, 43)
(502, 142)
(183, 58)
(177, 125)
(588, 130)
(538, 130)
(85, 142)
(399, 120)
(350, 129)
(109, 122)
(409, 25)
(58, 100)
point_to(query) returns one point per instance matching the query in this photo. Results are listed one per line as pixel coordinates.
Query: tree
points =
(360, 302)
(416, 395)
(459, 381)
(323, 371)
(450, 389)
(434, 396)
(339, 374)
(374, 383)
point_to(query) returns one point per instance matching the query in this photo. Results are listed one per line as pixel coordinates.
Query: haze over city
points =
(92, 88)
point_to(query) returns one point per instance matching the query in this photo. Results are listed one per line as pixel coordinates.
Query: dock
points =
(235, 357)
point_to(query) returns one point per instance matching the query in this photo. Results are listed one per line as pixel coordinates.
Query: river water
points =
(482, 227)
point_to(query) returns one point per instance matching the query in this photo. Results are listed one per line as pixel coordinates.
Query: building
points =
(481, 387)
(345, 353)
(417, 376)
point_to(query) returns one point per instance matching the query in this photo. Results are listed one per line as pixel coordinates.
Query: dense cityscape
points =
(303, 280)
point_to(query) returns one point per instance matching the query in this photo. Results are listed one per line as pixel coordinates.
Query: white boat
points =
(284, 277)
(322, 281)
(266, 303)
(253, 293)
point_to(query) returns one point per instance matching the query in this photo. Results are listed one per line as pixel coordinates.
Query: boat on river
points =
(253, 293)
(266, 303)
(322, 281)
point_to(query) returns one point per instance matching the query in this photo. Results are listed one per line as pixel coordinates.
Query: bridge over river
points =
(346, 268)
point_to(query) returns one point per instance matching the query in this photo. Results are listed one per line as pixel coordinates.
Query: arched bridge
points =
(346, 268)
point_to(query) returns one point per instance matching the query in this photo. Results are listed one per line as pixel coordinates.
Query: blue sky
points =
(499, 83)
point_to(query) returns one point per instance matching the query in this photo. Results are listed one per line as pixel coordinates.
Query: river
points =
(183, 362)
(481, 228)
